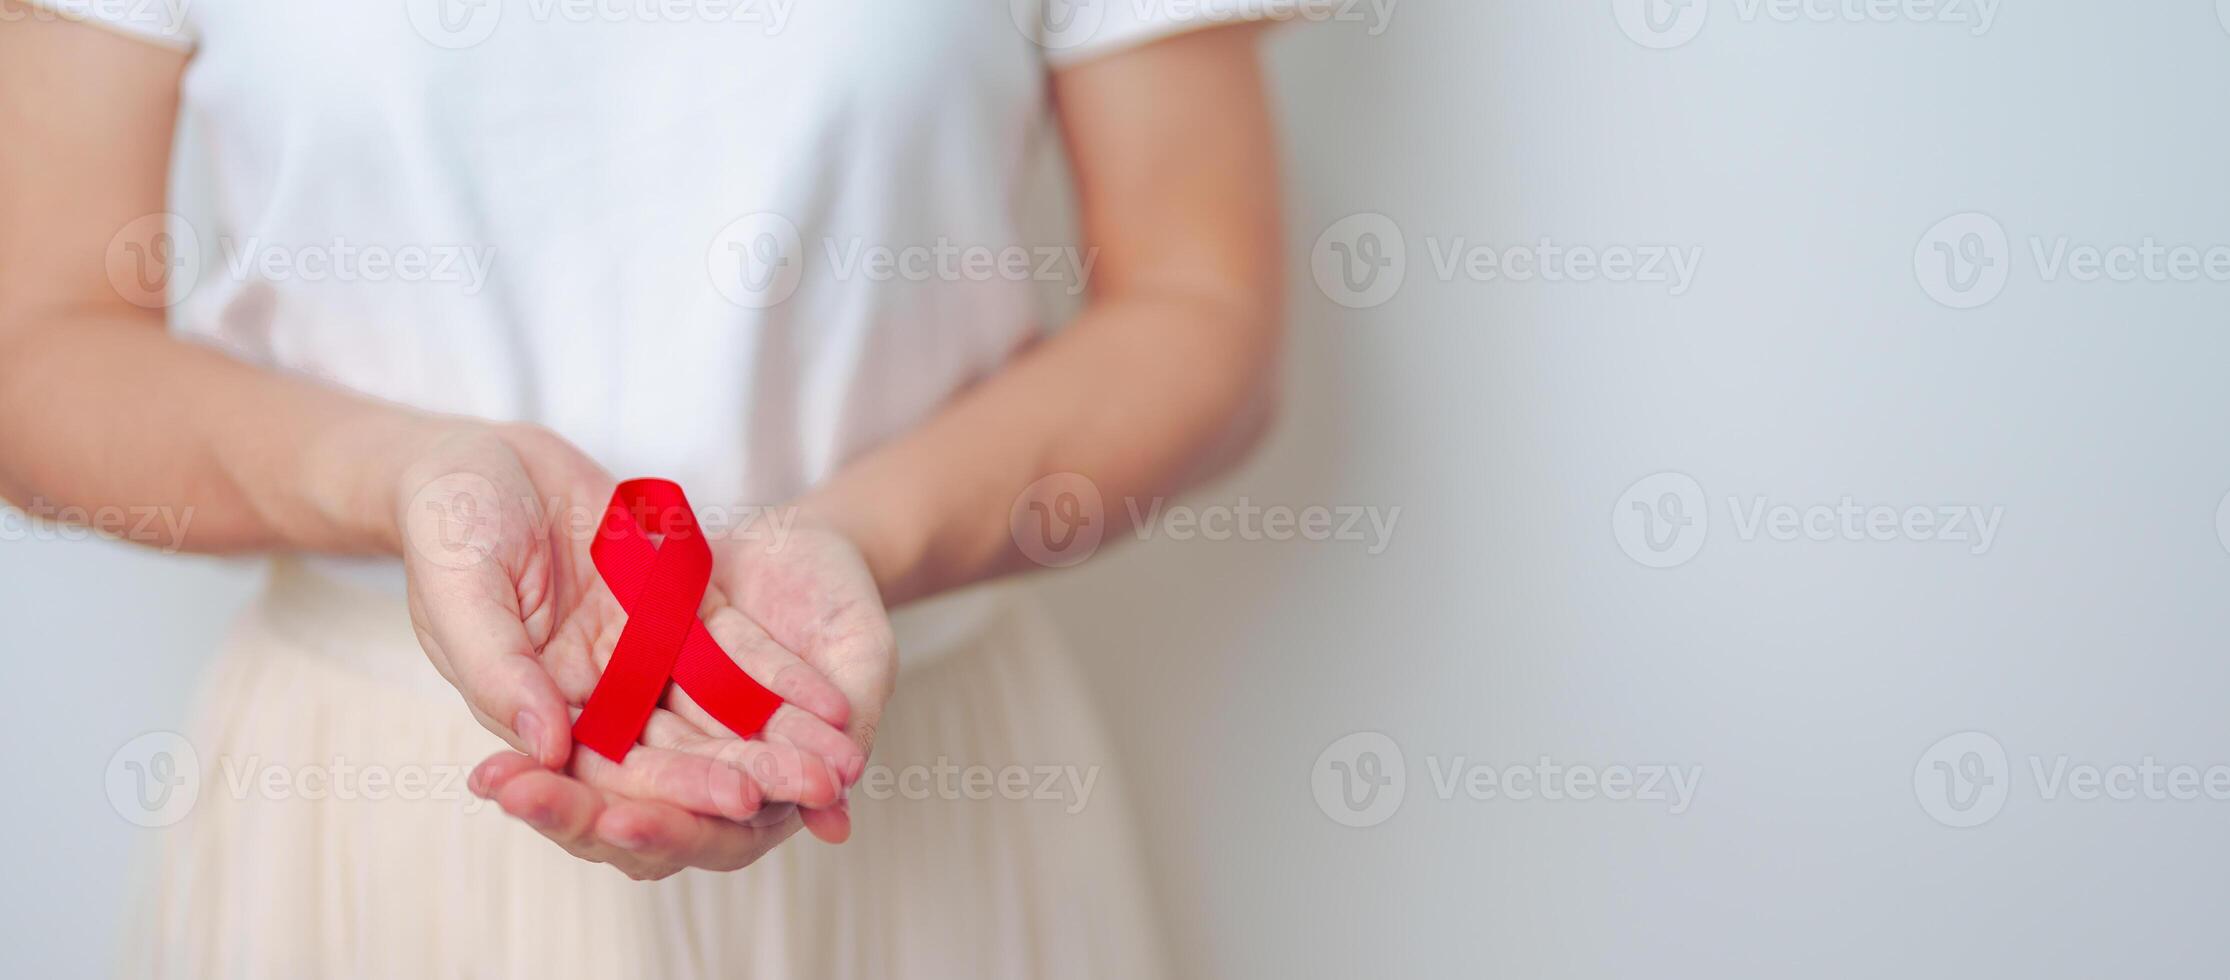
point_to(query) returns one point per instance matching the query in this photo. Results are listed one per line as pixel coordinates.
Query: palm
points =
(813, 594)
(532, 504)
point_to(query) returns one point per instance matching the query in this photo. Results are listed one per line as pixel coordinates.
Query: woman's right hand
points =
(496, 522)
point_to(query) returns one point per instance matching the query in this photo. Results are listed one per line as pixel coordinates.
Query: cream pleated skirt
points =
(333, 836)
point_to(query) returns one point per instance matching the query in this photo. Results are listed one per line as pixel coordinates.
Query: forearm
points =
(102, 410)
(1141, 395)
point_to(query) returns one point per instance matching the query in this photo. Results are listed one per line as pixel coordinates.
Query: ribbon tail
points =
(721, 688)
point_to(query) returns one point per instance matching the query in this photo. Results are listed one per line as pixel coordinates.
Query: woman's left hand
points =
(809, 589)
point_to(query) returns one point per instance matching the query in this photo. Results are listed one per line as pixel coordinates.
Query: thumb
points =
(466, 544)
(492, 662)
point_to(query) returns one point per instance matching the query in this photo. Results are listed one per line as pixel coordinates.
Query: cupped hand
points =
(801, 597)
(810, 592)
(510, 609)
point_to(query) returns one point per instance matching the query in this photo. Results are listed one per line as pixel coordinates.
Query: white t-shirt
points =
(732, 243)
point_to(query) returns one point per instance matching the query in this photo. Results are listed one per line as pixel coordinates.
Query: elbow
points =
(1255, 402)
(1250, 428)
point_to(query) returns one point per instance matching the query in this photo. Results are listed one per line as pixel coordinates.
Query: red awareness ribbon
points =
(661, 585)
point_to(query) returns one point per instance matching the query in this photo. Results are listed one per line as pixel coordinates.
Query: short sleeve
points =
(160, 22)
(1075, 31)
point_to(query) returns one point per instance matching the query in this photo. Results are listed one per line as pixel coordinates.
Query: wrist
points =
(392, 456)
(891, 542)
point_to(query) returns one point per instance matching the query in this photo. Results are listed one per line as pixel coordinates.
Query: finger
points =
(784, 772)
(669, 729)
(776, 668)
(869, 687)
(483, 639)
(832, 825)
(496, 770)
(691, 781)
(567, 811)
(815, 736)
(859, 657)
(664, 835)
(561, 808)
(814, 710)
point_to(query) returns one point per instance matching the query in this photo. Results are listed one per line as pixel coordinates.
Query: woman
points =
(435, 272)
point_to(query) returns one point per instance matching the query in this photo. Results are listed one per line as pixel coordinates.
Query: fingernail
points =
(529, 726)
(478, 781)
(627, 841)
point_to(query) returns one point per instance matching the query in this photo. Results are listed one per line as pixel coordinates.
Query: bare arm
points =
(1166, 374)
(99, 407)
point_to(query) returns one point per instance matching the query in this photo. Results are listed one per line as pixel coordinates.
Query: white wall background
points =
(1806, 363)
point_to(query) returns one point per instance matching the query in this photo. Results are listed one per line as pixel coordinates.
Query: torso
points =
(641, 233)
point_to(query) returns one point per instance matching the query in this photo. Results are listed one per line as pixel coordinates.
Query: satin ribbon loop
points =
(661, 583)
